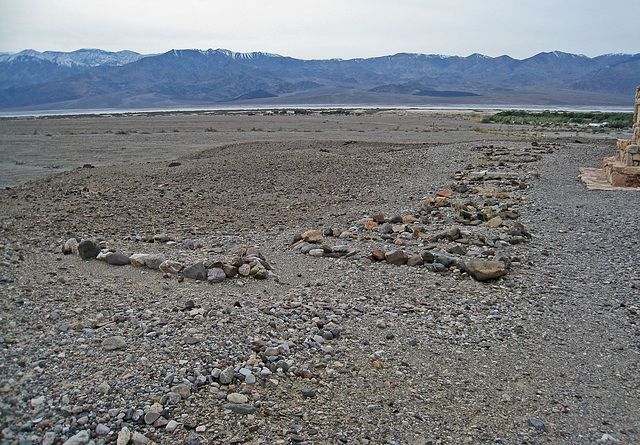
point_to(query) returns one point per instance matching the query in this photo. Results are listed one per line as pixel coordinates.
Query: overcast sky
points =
(315, 29)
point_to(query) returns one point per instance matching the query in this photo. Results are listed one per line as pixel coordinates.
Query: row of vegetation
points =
(521, 117)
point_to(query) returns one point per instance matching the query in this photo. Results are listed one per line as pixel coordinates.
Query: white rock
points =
(171, 426)
(124, 436)
(237, 398)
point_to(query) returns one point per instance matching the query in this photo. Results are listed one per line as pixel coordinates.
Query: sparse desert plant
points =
(523, 117)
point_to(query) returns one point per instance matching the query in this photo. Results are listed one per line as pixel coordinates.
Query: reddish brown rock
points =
(408, 219)
(415, 260)
(396, 257)
(378, 255)
(427, 256)
(229, 270)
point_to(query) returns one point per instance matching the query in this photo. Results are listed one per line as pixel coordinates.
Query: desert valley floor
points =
(346, 311)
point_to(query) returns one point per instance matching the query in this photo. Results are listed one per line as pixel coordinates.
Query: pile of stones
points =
(249, 262)
(466, 230)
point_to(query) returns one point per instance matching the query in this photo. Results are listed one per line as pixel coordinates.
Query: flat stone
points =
(139, 439)
(79, 439)
(308, 392)
(241, 408)
(160, 422)
(537, 424)
(312, 236)
(152, 261)
(137, 259)
(444, 193)
(113, 343)
(172, 267)
(171, 426)
(495, 222)
(409, 219)
(116, 259)
(182, 389)
(237, 398)
(151, 417)
(484, 270)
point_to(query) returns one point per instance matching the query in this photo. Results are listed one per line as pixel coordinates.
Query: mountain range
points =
(96, 79)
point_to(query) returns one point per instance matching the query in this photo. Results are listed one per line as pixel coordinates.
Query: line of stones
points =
(249, 263)
(481, 270)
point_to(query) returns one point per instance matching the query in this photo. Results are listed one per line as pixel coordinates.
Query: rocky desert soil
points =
(317, 282)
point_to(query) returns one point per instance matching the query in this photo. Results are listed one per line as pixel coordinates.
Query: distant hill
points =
(100, 79)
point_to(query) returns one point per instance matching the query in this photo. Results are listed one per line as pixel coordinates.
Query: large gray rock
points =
(216, 275)
(152, 261)
(117, 259)
(195, 272)
(443, 259)
(88, 249)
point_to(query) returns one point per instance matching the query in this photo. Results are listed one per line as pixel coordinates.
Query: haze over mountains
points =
(96, 79)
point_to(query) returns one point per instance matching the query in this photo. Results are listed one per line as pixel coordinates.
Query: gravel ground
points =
(336, 348)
